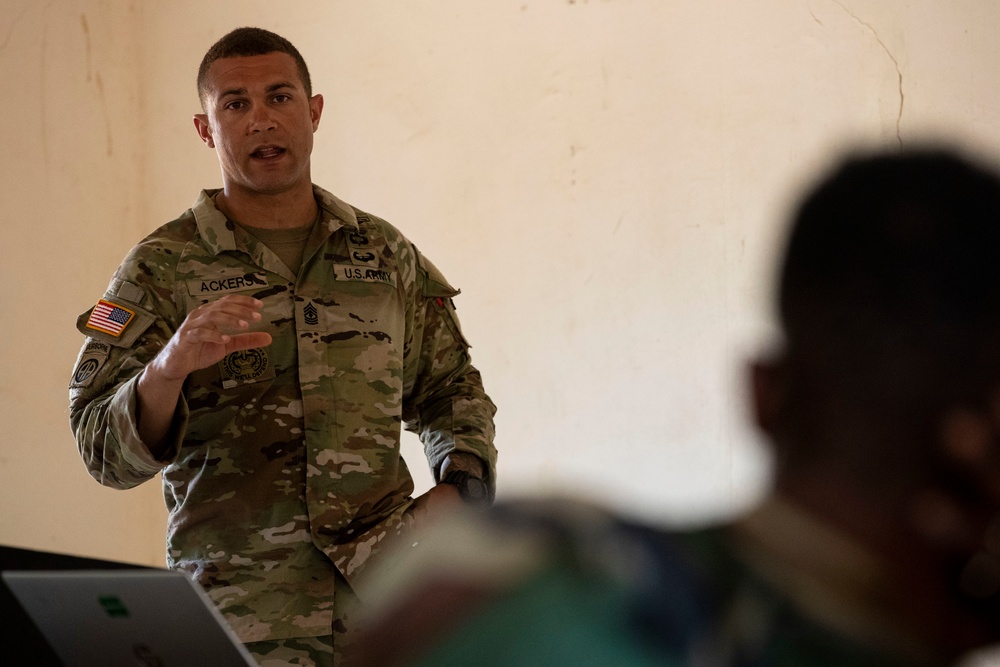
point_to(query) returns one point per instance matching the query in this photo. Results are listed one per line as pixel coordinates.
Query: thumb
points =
(247, 341)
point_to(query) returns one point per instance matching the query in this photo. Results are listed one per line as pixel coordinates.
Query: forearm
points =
(109, 443)
(157, 399)
(458, 418)
(447, 405)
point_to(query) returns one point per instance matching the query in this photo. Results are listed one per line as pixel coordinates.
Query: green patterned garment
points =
(571, 584)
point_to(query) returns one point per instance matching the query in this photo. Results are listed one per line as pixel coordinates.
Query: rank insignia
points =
(310, 315)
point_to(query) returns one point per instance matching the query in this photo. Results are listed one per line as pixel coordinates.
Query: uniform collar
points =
(220, 234)
(826, 574)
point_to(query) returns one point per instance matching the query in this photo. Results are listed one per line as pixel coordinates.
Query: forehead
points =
(250, 72)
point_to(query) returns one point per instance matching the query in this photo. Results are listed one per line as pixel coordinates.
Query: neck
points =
(917, 584)
(283, 210)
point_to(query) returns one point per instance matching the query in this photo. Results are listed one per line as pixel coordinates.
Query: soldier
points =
(261, 352)
(880, 544)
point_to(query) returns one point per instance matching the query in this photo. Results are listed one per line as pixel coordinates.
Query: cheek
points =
(307, 137)
(225, 147)
(224, 136)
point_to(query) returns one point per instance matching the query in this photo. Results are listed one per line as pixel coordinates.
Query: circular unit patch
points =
(245, 365)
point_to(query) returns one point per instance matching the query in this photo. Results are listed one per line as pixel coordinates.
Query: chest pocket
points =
(353, 312)
(364, 306)
(361, 305)
(217, 383)
(354, 332)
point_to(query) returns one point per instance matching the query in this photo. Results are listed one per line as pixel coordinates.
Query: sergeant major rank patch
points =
(310, 315)
(110, 318)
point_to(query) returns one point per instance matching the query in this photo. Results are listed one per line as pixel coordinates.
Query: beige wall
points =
(71, 207)
(605, 180)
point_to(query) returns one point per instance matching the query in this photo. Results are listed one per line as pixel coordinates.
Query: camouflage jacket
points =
(285, 460)
(559, 582)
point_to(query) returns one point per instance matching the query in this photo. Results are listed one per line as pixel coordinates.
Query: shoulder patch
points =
(110, 318)
(92, 359)
(114, 321)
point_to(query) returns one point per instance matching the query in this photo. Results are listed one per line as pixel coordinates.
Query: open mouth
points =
(267, 153)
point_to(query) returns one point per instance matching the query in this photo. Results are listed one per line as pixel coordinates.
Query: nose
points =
(261, 119)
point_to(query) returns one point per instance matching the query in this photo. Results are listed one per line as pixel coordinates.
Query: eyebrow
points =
(243, 91)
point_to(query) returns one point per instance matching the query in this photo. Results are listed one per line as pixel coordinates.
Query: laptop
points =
(134, 618)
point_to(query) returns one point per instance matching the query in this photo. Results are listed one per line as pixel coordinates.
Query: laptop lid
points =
(142, 618)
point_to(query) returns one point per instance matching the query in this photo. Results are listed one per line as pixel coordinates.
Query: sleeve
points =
(447, 406)
(125, 330)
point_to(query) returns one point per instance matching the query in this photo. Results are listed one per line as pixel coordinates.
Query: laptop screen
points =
(103, 618)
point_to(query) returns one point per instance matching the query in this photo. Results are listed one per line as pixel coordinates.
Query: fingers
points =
(443, 495)
(247, 341)
(210, 332)
(229, 315)
(437, 501)
(233, 342)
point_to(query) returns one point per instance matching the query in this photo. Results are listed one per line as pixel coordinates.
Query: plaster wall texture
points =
(606, 180)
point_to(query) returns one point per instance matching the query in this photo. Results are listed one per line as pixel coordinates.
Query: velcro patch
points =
(110, 318)
(364, 274)
(226, 284)
(130, 292)
(92, 359)
(115, 321)
(245, 366)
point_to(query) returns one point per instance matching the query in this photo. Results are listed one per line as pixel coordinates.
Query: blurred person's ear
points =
(970, 440)
(768, 389)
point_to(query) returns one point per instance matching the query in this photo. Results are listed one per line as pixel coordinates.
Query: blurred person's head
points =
(883, 404)
(883, 408)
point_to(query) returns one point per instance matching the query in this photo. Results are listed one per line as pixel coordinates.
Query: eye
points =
(281, 97)
(235, 105)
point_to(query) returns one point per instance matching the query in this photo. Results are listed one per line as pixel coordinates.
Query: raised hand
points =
(208, 333)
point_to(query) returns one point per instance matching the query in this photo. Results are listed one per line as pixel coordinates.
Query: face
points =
(260, 122)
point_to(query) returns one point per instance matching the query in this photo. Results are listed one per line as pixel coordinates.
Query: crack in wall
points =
(86, 41)
(98, 83)
(899, 72)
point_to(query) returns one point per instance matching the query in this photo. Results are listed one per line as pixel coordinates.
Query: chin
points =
(269, 187)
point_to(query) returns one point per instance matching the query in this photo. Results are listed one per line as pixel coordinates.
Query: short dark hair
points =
(250, 42)
(895, 258)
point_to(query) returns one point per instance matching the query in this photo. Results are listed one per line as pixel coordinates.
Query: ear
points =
(768, 389)
(315, 110)
(967, 437)
(204, 129)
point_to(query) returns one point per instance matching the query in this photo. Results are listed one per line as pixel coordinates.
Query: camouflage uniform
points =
(284, 462)
(565, 583)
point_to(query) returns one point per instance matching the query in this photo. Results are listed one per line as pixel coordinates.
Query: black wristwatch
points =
(471, 489)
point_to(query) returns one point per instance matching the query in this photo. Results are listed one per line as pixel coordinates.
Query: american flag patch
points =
(109, 318)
